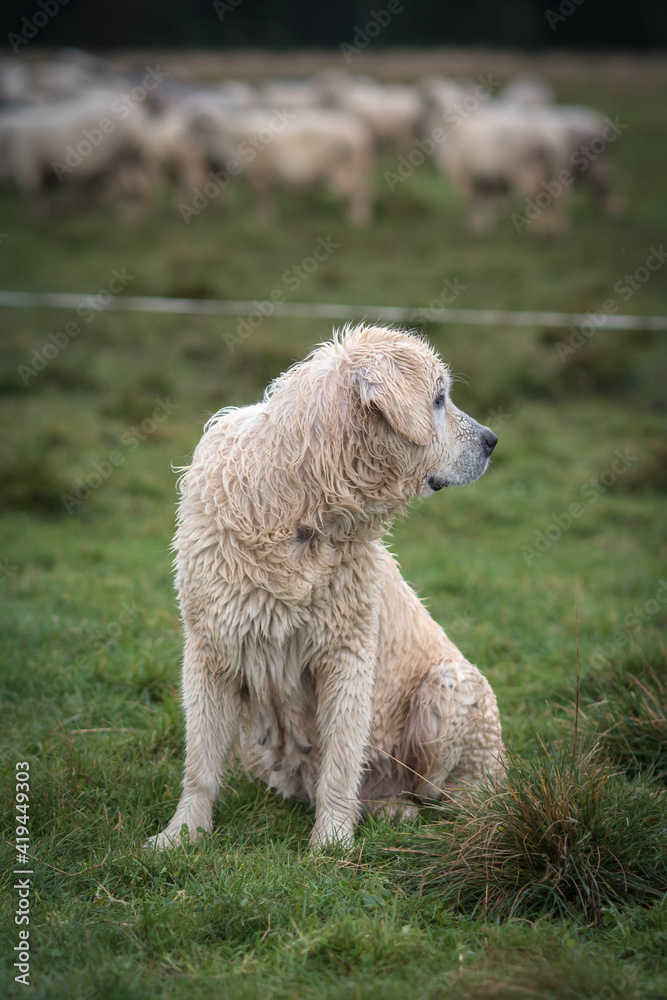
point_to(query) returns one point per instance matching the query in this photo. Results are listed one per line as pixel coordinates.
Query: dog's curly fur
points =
(306, 654)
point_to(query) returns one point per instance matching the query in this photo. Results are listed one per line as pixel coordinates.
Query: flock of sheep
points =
(76, 129)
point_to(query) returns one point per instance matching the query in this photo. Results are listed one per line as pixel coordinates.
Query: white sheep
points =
(83, 144)
(391, 112)
(58, 80)
(237, 93)
(501, 153)
(585, 130)
(285, 93)
(528, 90)
(176, 149)
(295, 149)
(588, 135)
(495, 152)
(14, 80)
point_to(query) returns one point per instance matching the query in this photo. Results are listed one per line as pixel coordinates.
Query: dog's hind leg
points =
(454, 731)
(212, 711)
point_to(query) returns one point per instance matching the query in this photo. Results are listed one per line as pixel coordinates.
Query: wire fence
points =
(335, 311)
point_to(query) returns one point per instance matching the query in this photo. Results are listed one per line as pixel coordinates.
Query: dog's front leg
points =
(344, 685)
(212, 711)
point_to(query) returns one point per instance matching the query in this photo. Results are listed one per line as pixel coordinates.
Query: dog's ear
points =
(401, 393)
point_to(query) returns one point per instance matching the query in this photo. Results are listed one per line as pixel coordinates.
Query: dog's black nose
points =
(435, 483)
(489, 440)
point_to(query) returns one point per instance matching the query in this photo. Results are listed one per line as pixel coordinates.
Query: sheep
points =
(14, 81)
(177, 151)
(180, 138)
(495, 151)
(527, 90)
(237, 93)
(390, 112)
(295, 149)
(58, 80)
(84, 144)
(442, 109)
(292, 93)
(587, 135)
(441, 92)
(582, 127)
(503, 152)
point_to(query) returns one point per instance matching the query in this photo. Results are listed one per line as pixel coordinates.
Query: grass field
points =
(90, 634)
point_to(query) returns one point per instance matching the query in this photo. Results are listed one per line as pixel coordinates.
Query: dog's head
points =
(362, 426)
(408, 419)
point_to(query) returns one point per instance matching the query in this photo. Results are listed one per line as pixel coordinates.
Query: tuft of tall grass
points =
(630, 719)
(563, 835)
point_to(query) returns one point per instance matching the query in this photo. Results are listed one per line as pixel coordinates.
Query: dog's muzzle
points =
(436, 484)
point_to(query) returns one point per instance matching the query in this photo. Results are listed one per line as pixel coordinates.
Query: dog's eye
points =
(439, 401)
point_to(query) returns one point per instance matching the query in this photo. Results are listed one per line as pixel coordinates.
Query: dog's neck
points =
(343, 529)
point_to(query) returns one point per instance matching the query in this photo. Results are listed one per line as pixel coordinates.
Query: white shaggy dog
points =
(306, 653)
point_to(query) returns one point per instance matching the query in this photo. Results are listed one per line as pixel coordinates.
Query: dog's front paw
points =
(171, 837)
(332, 831)
(163, 841)
(192, 820)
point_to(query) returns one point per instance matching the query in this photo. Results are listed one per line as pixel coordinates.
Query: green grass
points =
(90, 635)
